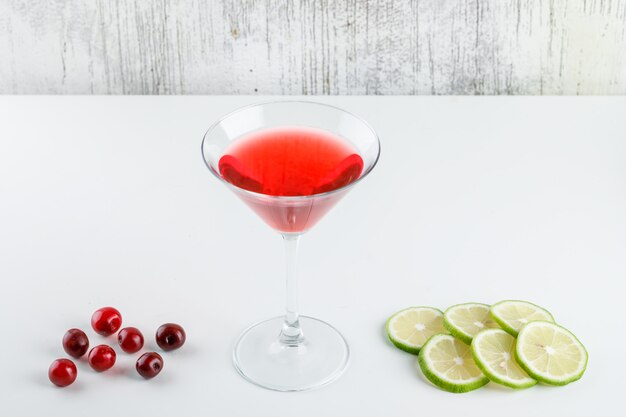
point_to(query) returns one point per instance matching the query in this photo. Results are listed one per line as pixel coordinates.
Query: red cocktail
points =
(290, 162)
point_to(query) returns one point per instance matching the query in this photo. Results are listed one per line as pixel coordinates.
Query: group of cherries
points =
(106, 321)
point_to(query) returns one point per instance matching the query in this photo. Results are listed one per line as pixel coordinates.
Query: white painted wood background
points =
(313, 47)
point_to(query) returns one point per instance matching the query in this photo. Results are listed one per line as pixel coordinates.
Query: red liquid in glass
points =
(291, 162)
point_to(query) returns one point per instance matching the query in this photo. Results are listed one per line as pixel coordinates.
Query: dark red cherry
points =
(101, 358)
(170, 336)
(149, 365)
(62, 372)
(106, 321)
(130, 339)
(75, 343)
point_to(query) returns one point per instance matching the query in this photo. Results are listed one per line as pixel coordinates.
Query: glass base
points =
(263, 360)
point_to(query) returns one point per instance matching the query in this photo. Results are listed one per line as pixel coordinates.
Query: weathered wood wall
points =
(313, 47)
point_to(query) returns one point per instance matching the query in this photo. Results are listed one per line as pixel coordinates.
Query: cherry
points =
(62, 372)
(75, 343)
(170, 336)
(149, 365)
(130, 339)
(106, 321)
(101, 358)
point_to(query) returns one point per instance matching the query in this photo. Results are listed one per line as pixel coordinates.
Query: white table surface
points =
(106, 201)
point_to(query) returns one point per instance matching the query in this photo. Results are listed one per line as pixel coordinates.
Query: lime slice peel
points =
(464, 321)
(494, 353)
(447, 363)
(550, 353)
(410, 328)
(512, 315)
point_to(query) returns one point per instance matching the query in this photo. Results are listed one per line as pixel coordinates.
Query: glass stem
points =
(291, 333)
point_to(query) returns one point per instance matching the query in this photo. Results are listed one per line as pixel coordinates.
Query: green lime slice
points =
(550, 353)
(464, 321)
(448, 363)
(410, 328)
(494, 354)
(512, 315)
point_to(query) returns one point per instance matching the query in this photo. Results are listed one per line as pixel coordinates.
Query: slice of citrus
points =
(550, 353)
(464, 321)
(494, 354)
(512, 315)
(448, 363)
(410, 328)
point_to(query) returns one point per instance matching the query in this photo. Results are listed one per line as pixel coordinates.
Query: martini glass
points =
(291, 352)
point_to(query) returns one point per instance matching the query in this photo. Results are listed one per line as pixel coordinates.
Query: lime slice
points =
(494, 354)
(410, 328)
(464, 321)
(512, 315)
(550, 354)
(448, 363)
